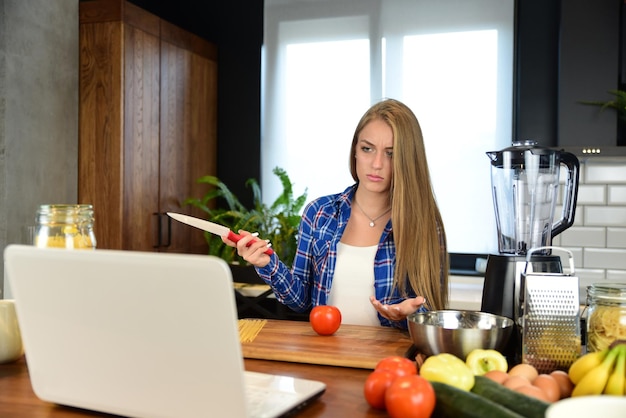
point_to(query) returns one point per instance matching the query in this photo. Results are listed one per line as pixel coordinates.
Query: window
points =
(451, 61)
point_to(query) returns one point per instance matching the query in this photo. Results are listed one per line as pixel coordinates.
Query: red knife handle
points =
(235, 238)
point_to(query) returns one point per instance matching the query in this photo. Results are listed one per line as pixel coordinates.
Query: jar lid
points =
(65, 213)
(607, 291)
(65, 208)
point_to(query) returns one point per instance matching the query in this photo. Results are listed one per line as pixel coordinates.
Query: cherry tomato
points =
(410, 396)
(399, 365)
(376, 385)
(325, 319)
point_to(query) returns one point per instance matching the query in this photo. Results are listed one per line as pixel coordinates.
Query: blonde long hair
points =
(418, 231)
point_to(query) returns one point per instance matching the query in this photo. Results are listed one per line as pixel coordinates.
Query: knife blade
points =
(211, 227)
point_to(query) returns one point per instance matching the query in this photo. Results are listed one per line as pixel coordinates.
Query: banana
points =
(586, 363)
(594, 382)
(617, 379)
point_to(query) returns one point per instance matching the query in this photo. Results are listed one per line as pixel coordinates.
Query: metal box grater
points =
(550, 319)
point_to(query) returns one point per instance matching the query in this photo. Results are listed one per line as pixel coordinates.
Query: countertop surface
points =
(343, 395)
(466, 292)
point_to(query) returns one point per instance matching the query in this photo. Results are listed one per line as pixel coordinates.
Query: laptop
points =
(140, 334)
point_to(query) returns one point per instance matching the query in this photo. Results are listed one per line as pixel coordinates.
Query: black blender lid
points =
(516, 153)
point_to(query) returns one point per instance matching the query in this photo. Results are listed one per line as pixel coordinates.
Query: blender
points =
(525, 185)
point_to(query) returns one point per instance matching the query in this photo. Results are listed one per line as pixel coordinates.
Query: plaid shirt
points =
(309, 281)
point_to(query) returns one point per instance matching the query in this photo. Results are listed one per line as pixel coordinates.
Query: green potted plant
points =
(618, 103)
(277, 222)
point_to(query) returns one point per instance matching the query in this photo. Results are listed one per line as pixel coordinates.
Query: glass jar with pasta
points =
(606, 315)
(65, 226)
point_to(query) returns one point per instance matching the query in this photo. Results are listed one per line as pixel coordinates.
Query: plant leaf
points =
(278, 222)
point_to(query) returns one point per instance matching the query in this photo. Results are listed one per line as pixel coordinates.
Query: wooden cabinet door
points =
(119, 122)
(188, 129)
(141, 132)
(100, 172)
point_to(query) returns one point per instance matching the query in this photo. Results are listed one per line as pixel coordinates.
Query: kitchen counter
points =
(343, 396)
(291, 348)
(466, 292)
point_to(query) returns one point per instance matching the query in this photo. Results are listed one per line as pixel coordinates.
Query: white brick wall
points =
(598, 237)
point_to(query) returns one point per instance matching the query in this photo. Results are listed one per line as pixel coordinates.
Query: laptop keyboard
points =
(263, 402)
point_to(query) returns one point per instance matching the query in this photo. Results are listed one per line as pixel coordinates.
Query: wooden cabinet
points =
(147, 128)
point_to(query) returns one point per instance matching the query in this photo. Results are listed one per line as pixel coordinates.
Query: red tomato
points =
(401, 366)
(325, 319)
(376, 385)
(410, 396)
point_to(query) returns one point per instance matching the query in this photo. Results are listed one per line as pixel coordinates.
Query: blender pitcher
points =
(525, 182)
(525, 185)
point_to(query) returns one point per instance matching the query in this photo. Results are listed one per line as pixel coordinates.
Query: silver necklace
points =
(372, 220)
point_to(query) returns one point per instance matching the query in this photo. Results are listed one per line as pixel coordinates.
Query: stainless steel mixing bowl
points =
(458, 332)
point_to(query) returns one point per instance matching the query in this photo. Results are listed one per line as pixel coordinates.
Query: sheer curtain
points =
(451, 61)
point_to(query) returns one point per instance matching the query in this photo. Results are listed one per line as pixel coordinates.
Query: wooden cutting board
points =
(351, 346)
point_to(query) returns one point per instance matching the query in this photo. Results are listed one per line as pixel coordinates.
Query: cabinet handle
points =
(169, 230)
(160, 243)
(158, 221)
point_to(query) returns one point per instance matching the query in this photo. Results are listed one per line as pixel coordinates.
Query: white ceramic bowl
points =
(602, 406)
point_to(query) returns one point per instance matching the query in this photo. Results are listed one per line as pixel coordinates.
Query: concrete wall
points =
(38, 112)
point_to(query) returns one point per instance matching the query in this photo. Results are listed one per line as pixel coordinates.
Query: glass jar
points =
(65, 226)
(606, 315)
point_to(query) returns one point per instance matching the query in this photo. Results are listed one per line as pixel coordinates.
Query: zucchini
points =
(452, 402)
(520, 403)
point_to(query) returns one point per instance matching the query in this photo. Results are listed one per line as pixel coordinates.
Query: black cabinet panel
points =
(589, 56)
(536, 66)
(567, 51)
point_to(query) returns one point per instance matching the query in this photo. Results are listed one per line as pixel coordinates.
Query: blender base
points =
(503, 288)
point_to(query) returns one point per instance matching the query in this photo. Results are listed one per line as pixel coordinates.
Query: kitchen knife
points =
(211, 227)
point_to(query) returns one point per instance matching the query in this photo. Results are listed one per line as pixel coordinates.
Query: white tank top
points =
(353, 284)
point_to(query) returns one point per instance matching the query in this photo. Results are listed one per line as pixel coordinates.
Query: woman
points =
(348, 252)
